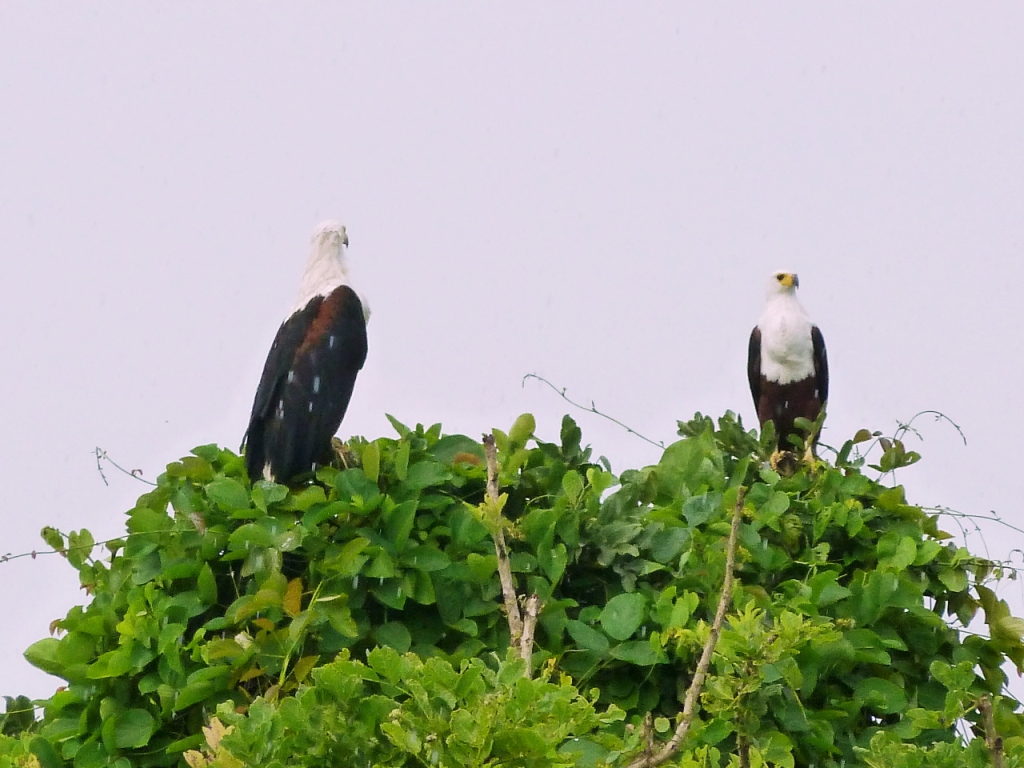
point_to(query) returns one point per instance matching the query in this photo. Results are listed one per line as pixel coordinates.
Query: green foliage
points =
(256, 602)
(16, 752)
(18, 716)
(16, 733)
(399, 709)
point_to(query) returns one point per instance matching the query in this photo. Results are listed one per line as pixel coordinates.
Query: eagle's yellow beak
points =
(790, 280)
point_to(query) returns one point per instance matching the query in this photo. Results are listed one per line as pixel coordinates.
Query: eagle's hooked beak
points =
(790, 280)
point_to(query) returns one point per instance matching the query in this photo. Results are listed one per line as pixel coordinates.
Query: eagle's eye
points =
(780, 276)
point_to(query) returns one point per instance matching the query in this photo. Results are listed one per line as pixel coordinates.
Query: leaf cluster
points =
(397, 709)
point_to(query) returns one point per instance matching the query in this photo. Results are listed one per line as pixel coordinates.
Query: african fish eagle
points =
(786, 363)
(311, 368)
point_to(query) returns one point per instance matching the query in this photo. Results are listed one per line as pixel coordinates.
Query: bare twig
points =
(697, 684)
(592, 409)
(37, 553)
(647, 734)
(993, 740)
(101, 456)
(743, 747)
(508, 586)
(939, 416)
(993, 517)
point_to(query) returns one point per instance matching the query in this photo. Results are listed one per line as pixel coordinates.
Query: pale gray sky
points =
(592, 192)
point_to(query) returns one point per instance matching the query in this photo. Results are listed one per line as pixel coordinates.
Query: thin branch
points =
(993, 517)
(743, 747)
(591, 409)
(993, 740)
(101, 455)
(697, 684)
(508, 586)
(939, 416)
(4, 558)
(533, 605)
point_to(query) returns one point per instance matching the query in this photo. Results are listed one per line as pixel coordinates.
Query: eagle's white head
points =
(326, 268)
(782, 283)
(329, 242)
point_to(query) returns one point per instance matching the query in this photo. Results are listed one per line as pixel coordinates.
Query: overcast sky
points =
(592, 192)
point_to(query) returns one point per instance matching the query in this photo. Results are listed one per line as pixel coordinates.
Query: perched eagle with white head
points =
(786, 363)
(311, 369)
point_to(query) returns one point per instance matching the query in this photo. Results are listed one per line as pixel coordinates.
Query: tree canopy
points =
(358, 618)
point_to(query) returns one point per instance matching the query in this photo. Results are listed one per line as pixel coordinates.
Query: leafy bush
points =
(259, 602)
(396, 708)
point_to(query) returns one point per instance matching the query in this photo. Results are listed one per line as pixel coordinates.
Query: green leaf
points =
(353, 484)
(340, 617)
(623, 615)
(387, 663)
(399, 523)
(669, 543)
(699, 509)
(348, 561)
(587, 637)
(896, 552)
(778, 503)
(395, 635)
(637, 652)
(572, 486)
(42, 654)
(382, 567)
(881, 695)
(424, 558)
(143, 520)
(406, 740)
(927, 551)
(250, 536)
(266, 492)
(399, 427)
(450, 447)
(207, 585)
(954, 579)
(391, 593)
(825, 589)
(522, 430)
(863, 435)
(719, 728)
(314, 494)
(553, 561)
(111, 664)
(424, 474)
(402, 460)
(228, 493)
(1010, 627)
(45, 753)
(682, 609)
(53, 538)
(133, 728)
(371, 462)
(483, 567)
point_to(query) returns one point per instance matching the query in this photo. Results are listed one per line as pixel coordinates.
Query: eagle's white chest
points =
(787, 352)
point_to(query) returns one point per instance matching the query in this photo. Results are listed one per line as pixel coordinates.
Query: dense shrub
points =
(357, 617)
